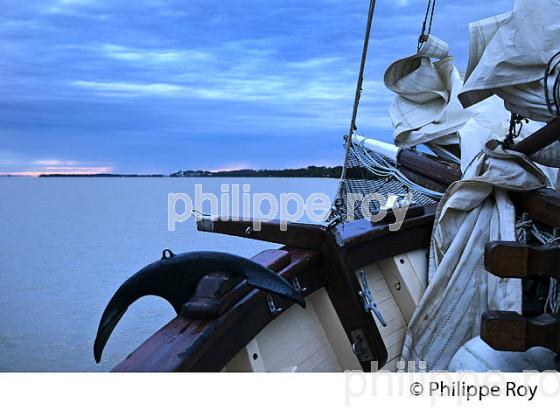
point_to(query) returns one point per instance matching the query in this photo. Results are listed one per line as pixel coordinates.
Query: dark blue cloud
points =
(154, 86)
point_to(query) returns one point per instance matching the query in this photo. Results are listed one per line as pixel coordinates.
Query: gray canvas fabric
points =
(509, 54)
(549, 156)
(492, 122)
(426, 108)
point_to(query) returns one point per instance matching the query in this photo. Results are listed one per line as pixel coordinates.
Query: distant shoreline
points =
(309, 172)
(101, 176)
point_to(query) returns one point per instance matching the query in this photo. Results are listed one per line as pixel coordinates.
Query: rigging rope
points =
(426, 30)
(553, 102)
(523, 228)
(358, 91)
(383, 174)
(427, 24)
(379, 166)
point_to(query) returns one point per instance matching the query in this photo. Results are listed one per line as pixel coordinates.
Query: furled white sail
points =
(473, 211)
(426, 109)
(492, 122)
(509, 54)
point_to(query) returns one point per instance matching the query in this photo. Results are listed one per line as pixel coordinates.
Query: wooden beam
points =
(542, 204)
(540, 139)
(311, 236)
(509, 331)
(351, 234)
(388, 244)
(307, 236)
(515, 260)
(343, 289)
(422, 180)
(429, 166)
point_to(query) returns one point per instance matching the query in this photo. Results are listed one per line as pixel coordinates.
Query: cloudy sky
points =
(154, 86)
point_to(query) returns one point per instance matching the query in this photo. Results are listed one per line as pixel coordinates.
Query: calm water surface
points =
(66, 244)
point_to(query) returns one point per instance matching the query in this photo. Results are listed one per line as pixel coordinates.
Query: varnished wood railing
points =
(195, 344)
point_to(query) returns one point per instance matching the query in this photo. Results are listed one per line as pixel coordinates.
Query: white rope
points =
(379, 166)
(553, 300)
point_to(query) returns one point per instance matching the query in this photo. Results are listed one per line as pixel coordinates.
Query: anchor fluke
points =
(174, 278)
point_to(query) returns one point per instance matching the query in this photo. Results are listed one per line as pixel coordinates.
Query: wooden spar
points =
(307, 236)
(543, 205)
(540, 139)
(427, 165)
(422, 180)
(349, 235)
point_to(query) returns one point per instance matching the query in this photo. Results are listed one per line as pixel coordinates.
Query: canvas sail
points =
(509, 54)
(473, 211)
(426, 109)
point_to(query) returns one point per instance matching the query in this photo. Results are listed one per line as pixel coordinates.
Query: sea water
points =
(66, 245)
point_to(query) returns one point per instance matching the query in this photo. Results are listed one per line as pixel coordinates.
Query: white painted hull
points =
(313, 339)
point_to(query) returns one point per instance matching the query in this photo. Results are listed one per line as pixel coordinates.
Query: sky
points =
(156, 86)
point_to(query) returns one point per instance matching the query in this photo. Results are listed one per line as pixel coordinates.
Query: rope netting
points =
(364, 178)
(365, 172)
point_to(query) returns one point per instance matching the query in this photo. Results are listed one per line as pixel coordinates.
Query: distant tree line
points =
(309, 172)
(103, 175)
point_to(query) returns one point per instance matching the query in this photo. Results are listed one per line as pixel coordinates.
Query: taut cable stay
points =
(358, 89)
